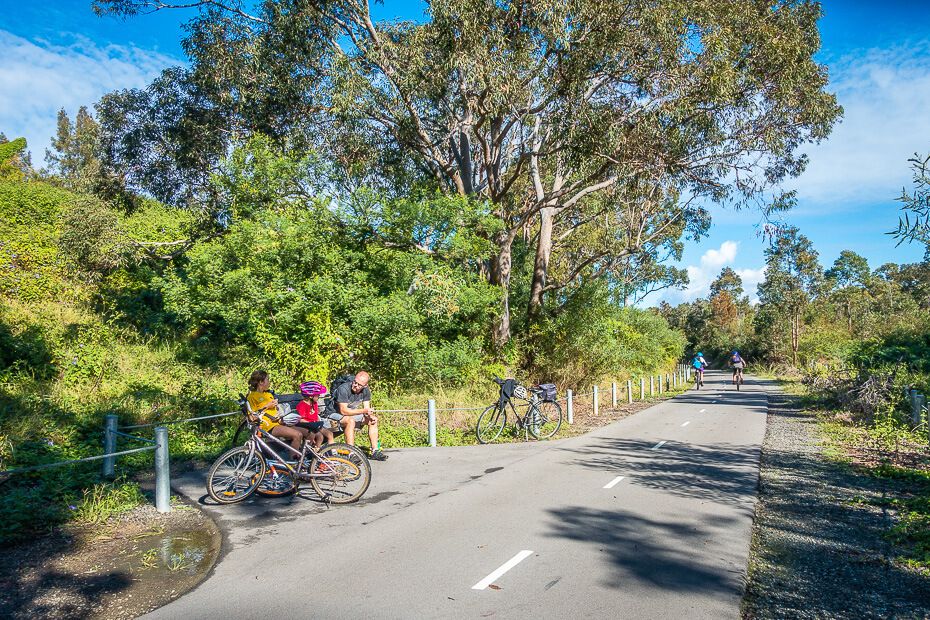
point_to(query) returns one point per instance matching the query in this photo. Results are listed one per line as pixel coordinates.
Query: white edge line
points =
(613, 482)
(657, 446)
(484, 583)
(687, 423)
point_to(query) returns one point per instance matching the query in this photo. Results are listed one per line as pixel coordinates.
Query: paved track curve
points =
(649, 517)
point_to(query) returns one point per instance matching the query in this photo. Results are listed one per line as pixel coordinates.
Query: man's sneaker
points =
(378, 455)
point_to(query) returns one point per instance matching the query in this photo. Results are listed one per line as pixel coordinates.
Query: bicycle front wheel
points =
(490, 424)
(544, 419)
(340, 474)
(235, 475)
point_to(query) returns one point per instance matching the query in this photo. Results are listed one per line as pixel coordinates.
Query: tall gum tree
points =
(558, 114)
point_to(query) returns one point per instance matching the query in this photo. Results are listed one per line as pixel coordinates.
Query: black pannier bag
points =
(548, 391)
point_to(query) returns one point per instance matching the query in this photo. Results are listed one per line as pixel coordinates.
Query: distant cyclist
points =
(699, 364)
(737, 363)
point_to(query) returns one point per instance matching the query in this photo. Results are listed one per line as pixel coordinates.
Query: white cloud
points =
(885, 94)
(37, 78)
(703, 274)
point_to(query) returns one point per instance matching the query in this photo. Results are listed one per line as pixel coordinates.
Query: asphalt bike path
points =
(648, 517)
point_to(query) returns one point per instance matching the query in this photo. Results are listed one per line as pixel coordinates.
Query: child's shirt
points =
(257, 400)
(308, 412)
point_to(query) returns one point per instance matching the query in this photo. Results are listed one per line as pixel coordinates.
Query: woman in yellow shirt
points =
(262, 401)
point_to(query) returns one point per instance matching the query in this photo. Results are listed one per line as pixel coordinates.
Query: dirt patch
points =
(123, 568)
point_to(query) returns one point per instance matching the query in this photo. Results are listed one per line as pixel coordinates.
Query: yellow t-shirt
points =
(257, 400)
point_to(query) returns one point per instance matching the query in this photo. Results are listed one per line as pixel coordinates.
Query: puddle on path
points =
(187, 552)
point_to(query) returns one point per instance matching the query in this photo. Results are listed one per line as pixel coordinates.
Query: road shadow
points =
(31, 586)
(652, 552)
(722, 473)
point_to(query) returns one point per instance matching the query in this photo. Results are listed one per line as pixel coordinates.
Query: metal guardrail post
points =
(162, 470)
(613, 394)
(431, 421)
(596, 399)
(642, 388)
(629, 391)
(110, 424)
(570, 406)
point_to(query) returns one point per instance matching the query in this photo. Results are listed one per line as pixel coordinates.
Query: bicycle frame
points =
(256, 442)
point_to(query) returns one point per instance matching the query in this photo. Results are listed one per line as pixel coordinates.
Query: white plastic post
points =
(642, 388)
(431, 421)
(570, 405)
(629, 391)
(596, 403)
(613, 394)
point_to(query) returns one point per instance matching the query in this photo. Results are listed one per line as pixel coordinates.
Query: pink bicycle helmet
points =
(312, 388)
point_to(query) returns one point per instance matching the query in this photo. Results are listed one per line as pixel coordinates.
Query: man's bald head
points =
(361, 381)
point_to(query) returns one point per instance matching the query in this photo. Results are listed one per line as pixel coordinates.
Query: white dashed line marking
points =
(484, 583)
(657, 446)
(687, 423)
(613, 482)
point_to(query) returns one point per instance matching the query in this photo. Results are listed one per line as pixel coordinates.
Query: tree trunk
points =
(795, 337)
(541, 265)
(500, 276)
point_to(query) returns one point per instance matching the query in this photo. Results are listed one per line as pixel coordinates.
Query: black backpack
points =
(339, 381)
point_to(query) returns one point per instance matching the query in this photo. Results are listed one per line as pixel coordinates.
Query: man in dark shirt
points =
(351, 408)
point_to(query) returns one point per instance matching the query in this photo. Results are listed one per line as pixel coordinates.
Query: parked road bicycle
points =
(339, 473)
(542, 420)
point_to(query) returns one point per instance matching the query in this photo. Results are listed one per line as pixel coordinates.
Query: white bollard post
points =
(596, 403)
(570, 406)
(629, 391)
(431, 421)
(613, 394)
(111, 422)
(652, 386)
(642, 388)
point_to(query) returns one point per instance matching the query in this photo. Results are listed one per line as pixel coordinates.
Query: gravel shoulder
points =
(818, 548)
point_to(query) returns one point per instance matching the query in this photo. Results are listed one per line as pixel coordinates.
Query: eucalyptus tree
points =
(558, 114)
(793, 278)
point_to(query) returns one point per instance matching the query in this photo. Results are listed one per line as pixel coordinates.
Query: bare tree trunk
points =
(795, 337)
(541, 265)
(500, 276)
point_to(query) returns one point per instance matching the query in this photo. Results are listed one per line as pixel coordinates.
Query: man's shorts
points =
(738, 365)
(313, 427)
(336, 417)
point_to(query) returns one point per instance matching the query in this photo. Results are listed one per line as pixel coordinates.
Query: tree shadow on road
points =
(721, 472)
(665, 554)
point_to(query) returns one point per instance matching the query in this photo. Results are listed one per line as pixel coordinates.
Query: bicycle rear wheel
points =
(490, 424)
(277, 481)
(347, 473)
(235, 475)
(544, 419)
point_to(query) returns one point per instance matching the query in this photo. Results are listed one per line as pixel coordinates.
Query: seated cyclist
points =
(263, 402)
(736, 361)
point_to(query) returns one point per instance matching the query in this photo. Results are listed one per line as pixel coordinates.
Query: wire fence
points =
(159, 445)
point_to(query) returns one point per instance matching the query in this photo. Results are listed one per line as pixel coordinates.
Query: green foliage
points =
(103, 500)
(30, 265)
(594, 339)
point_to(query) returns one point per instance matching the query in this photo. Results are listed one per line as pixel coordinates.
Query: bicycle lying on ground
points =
(542, 420)
(339, 473)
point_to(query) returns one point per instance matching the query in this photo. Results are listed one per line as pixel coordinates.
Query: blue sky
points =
(59, 54)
